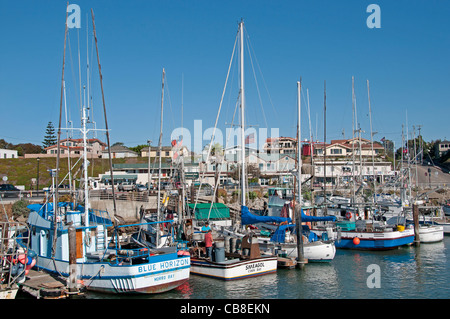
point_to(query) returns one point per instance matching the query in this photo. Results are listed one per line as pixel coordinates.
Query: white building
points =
(8, 154)
(119, 151)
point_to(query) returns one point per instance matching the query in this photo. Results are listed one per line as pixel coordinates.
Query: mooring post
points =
(72, 282)
(416, 224)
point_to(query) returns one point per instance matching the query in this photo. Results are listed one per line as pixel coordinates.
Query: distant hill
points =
(20, 171)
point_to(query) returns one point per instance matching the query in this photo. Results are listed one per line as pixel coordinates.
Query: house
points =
(75, 147)
(441, 148)
(4, 153)
(281, 145)
(344, 148)
(232, 153)
(119, 151)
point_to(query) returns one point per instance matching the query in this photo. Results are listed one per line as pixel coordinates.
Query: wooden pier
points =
(44, 286)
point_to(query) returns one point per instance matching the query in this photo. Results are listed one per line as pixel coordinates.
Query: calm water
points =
(406, 273)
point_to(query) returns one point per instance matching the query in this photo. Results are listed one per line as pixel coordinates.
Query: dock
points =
(42, 285)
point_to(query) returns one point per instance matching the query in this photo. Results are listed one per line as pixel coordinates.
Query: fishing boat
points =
(429, 233)
(99, 265)
(236, 264)
(244, 261)
(282, 240)
(72, 240)
(367, 234)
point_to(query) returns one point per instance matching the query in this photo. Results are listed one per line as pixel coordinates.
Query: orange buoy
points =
(356, 241)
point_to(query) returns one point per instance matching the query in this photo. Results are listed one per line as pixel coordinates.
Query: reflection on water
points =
(408, 273)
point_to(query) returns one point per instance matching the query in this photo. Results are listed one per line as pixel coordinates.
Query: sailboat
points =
(247, 261)
(72, 241)
(283, 240)
(350, 231)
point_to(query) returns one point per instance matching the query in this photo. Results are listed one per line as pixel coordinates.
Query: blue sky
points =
(406, 62)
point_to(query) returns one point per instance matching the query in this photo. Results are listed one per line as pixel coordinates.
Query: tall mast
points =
(371, 141)
(241, 30)
(55, 190)
(325, 145)
(104, 114)
(84, 130)
(298, 209)
(160, 151)
(353, 140)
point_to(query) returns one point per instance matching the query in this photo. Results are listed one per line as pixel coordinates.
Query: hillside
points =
(20, 171)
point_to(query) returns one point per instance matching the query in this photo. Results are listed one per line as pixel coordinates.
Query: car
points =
(8, 190)
(126, 186)
(141, 188)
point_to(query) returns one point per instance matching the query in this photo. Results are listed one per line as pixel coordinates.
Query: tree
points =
(50, 137)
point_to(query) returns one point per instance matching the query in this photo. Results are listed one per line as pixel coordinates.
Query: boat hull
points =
(160, 274)
(313, 251)
(234, 269)
(373, 240)
(431, 233)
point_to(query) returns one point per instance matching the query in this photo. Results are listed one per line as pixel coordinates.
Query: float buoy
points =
(348, 215)
(356, 241)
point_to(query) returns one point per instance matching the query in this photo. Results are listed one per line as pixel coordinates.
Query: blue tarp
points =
(280, 234)
(46, 211)
(247, 218)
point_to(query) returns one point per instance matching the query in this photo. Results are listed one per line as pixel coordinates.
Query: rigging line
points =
(226, 145)
(170, 103)
(262, 76)
(79, 74)
(73, 71)
(217, 117)
(235, 65)
(256, 81)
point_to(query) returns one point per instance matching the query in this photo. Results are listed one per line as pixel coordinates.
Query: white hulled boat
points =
(72, 240)
(248, 262)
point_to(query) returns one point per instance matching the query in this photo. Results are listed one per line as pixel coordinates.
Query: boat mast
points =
(298, 209)
(241, 30)
(55, 189)
(158, 212)
(106, 120)
(371, 141)
(353, 142)
(84, 131)
(325, 145)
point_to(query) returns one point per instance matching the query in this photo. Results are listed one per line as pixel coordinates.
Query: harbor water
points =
(411, 272)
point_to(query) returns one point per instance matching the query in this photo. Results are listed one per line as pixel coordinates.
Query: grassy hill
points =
(20, 171)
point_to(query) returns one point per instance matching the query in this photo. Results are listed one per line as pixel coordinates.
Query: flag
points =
(382, 140)
(250, 139)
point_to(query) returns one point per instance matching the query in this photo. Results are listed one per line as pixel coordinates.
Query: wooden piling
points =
(416, 224)
(72, 281)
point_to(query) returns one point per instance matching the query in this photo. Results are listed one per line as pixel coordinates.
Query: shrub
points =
(19, 208)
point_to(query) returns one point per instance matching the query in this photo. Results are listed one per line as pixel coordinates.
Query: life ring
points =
(348, 215)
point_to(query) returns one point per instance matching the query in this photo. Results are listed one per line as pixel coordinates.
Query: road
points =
(430, 174)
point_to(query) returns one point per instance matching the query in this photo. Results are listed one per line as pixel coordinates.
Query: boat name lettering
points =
(164, 265)
(253, 266)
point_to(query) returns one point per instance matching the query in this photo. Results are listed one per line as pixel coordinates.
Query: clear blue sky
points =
(407, 62)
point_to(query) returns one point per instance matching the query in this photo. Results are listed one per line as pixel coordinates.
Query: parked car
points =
(126, 186)
(8, 190)
(141, 188)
